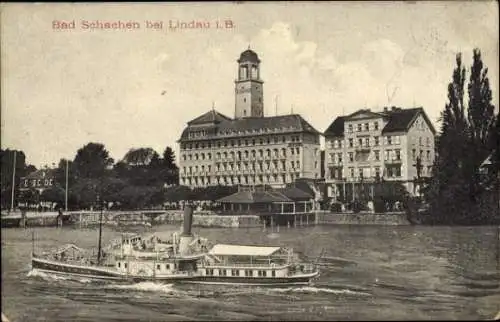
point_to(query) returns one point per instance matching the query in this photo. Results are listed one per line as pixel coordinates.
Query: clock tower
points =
(249, 98)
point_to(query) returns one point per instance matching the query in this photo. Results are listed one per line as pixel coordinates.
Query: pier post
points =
(294, 220)
(307, 220)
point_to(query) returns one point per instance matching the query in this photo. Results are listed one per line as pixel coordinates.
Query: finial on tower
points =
(213, 105)
(248, 46)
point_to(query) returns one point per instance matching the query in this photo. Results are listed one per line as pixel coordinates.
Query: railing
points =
(250, 265)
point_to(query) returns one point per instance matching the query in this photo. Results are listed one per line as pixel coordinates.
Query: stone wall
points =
(200, 219)
(209, 220)
(362, 218)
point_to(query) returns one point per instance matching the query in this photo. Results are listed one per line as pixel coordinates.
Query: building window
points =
(377, 155)
(367, 142)
(414, 154)
(398, 155)
(339, 156)
(389, 140)
(273, 273)
(359, 127)
(351, 157)
(376, 142)
(367, 127)
(377, 172)
(375, 126)
(387, 153)
(427, 142)
(352, 172)
(351, 143)
(397, 139)
(158, 267)
(360, 173)
(360, 142)
(428, 155)
(350, 128)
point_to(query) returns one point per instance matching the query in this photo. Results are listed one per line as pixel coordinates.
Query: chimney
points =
(186, 236)
(188, 220)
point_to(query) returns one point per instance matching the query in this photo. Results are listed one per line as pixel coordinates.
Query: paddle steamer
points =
(182, 258)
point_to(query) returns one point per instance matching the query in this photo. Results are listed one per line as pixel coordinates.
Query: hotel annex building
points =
(366, 146)
(249, 149)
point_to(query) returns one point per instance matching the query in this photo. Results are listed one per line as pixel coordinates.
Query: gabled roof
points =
(400, 120)
(336, 128)
(220, 123)
(241, 250)
(295, 193)
(364, 114)
(254, 197)
(211, 116)
(488, 161)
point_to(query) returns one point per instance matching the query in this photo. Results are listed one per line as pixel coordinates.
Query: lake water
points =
(382, 273)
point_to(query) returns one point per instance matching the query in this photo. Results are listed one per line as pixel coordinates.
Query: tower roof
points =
(250, 56)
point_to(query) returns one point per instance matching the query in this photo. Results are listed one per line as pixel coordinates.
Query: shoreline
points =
(200, 219)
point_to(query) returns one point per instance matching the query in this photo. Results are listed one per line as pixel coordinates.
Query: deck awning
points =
(244, 197)
(239, 250)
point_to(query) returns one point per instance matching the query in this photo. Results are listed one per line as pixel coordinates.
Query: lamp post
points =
(66, 191)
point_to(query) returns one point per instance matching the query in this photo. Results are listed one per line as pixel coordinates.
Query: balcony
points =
(362, 149)
(393, 161)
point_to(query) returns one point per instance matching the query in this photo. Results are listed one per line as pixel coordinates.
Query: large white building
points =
(249, 149)
(368, 146)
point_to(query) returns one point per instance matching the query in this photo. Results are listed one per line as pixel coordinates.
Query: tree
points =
(140, 157)
(481, 119)
(60, 173)
(464, 142)
(169, 158)
(54, 194)
(92, 160)
(7, 170)
(481, 112)
(170, 171)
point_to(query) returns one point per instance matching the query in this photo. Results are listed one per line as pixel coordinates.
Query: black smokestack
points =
(188, 220)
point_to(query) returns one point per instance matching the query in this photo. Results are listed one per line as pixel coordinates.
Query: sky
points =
(64, 88)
